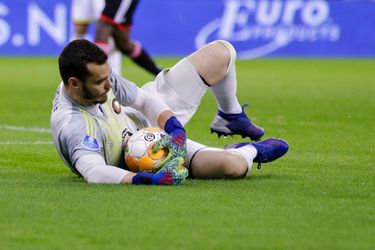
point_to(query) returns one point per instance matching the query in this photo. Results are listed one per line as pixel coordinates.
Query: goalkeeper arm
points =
(94, 170)
(156, 110)
(152, 107)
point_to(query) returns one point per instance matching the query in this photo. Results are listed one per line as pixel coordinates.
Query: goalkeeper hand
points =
(176, 130)
(174, 151)
(176, 167)
(175, 142)
(173, 172)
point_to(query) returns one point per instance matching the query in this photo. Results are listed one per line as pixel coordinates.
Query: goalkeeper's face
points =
(97, 84)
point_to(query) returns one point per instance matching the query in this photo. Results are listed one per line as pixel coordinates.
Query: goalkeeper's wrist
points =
(173, 124)
(143, 179)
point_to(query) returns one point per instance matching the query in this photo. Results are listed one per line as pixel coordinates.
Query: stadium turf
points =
(319, 196)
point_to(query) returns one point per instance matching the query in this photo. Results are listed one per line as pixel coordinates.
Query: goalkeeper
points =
(94, 108)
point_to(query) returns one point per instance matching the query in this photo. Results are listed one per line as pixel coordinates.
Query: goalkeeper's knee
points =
(232, 53)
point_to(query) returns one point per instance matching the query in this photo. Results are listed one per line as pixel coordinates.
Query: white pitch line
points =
(30, 129)
(25, 142)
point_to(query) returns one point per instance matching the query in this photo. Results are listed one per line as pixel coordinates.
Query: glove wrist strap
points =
(171, 124)
(142, 179)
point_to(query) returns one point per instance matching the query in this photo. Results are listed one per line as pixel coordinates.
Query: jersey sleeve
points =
(130, 95)
(94, 170)
(76, 140)
(85, 154)
(125, 91)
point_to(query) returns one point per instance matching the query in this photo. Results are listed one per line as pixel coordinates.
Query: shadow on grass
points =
(249, 179)
(262, 177)
(70, 179)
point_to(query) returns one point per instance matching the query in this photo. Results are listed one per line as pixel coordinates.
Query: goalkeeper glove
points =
(174, 151)
(175, 142)
(176, 167)
(173, 172)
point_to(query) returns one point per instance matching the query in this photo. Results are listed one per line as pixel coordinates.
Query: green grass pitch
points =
(319, 196)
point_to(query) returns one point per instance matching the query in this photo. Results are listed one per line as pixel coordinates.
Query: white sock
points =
(248, 152)
(225, 93)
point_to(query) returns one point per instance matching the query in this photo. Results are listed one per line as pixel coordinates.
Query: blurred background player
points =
(86, 12)
(116, 22)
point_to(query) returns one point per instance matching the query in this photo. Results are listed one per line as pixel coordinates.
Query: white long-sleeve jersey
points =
(98, 130)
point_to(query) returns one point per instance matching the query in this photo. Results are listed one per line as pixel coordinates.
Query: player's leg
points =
(207, 162)
(84, 12)
(103, 33)
(107, 25)
(183, 86)
(116, 14)
(134, 50)
(215, 63)
(116, 21)
(233, 162)
(80, 30)
(212, 163)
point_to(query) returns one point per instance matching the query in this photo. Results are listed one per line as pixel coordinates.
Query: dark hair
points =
(76, 55)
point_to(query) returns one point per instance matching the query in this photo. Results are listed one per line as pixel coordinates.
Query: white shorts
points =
(181, 88)
(86, 11)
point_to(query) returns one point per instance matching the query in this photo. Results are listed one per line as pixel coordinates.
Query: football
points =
(138, 150)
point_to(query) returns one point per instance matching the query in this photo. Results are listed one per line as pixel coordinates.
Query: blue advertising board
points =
(257, 28)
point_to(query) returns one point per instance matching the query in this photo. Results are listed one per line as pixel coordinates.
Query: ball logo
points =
(149, 137)
(260, 27)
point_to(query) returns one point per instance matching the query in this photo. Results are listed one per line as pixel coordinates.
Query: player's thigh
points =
(119, 12)
(123, 41)
(111, 11)
(181, 88)
(128, 16)
(217, 163)
(211, 61)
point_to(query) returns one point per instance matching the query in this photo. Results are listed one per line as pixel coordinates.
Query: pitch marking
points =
(25, 142)
(17, 128)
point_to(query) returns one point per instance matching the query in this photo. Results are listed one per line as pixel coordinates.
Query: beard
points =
(102, 99)
(95, 98)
